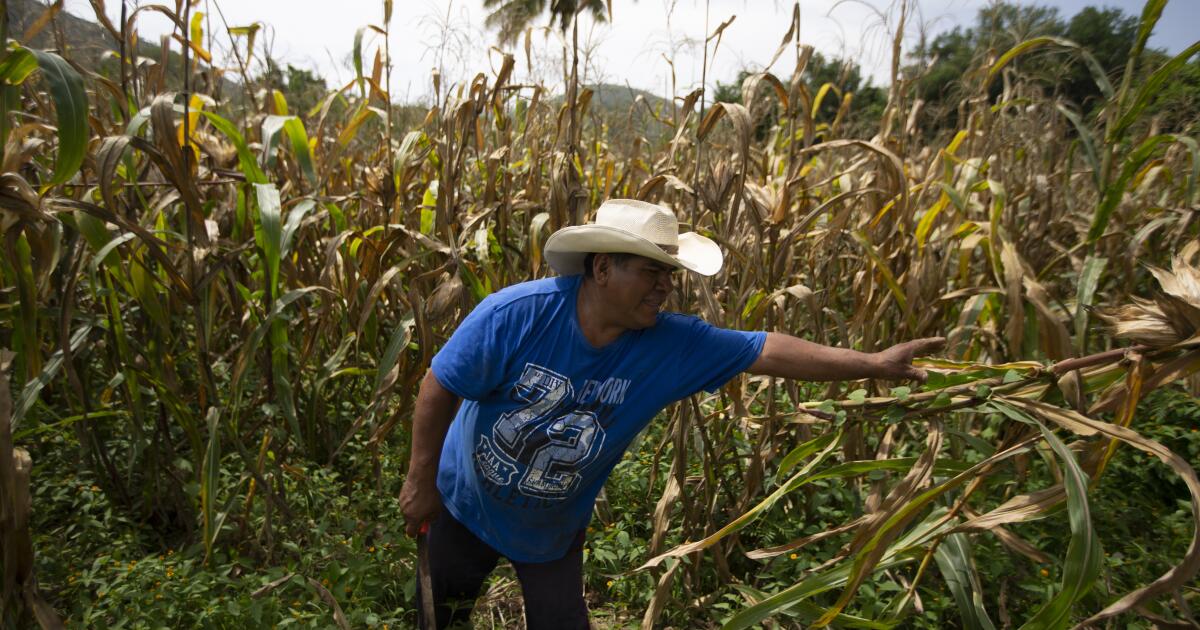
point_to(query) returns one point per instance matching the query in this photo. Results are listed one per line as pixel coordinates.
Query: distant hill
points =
(619, 106)
(86, 43)
(620, 97)
(83, 41)
(617, 99)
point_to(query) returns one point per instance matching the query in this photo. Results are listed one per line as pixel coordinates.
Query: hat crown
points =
(632, 227)
(654, 223)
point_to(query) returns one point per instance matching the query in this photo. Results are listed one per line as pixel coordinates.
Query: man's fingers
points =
(917, 374)
(416, 525)
(928, 345)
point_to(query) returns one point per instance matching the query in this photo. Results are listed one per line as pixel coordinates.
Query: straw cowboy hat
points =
(629, 226)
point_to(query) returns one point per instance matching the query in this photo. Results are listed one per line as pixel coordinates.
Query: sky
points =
(646, 43)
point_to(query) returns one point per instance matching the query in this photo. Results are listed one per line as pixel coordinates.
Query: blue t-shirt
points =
(546, 415)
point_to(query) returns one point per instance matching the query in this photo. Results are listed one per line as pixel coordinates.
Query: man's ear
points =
(601, 268)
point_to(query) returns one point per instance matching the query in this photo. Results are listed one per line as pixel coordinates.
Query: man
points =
(555, 377)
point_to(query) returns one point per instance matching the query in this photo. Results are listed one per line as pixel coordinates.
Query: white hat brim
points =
(566, 249)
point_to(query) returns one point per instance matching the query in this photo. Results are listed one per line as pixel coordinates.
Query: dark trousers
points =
(459, 563)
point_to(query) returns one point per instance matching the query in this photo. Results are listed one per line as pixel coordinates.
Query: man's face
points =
(637, 289)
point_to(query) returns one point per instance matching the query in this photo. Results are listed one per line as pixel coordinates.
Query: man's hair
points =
(617, 258)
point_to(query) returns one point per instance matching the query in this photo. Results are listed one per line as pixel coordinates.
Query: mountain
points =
(82, 41)
(91, 47)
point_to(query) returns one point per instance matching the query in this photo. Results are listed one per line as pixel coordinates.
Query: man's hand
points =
(420, 503)
(895, 363)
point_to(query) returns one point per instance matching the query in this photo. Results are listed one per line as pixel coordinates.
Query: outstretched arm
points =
(790, 357)
(420, 501)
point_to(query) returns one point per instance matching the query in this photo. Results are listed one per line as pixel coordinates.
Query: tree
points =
(944, 67)
(844, 74)
(302, 89)
(868, 100)
(1176, 106)
(947, 69)
(1108, 34)
(511, 17)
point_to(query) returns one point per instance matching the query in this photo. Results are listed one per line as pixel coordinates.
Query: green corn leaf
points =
(145, 289)
(71, 107)
(210, 475)
(1089, 279)
(1089, 60)
(1084, 555)
(281, 375)
(987, 449)
(30, 392)
(995, 215)
(248, 349)
(801, 453)
(1151, 12)
(1149, 88)
(330, 367)
(292, 225)
(269, 234)
(1088, 141)
(478, 289)
(957, 564)
(300, 148)
(271, 126)
(805, 476)
(827, 443)
(388, 369)
(1020, 49)
(17, 66)
(1117, 189)
(27, 323)
(899, 553)
(869, 557)
(98, 237)
(107, 254)
(807, 611)
(246, 161)
(1191, 194)
(53, 427)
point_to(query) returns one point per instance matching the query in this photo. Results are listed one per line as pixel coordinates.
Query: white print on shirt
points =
(491, 465)
(548, 434)
(609, 392)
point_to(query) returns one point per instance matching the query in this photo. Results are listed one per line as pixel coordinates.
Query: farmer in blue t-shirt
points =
(538, 393)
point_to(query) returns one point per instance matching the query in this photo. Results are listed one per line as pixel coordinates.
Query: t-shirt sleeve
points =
(474, 359)
(714, 355)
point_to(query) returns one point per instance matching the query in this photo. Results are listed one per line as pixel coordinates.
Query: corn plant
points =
(197, 283)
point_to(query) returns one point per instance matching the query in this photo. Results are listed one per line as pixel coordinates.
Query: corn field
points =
(207, 293)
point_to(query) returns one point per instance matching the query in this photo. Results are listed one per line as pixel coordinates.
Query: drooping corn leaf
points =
(70, 106)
